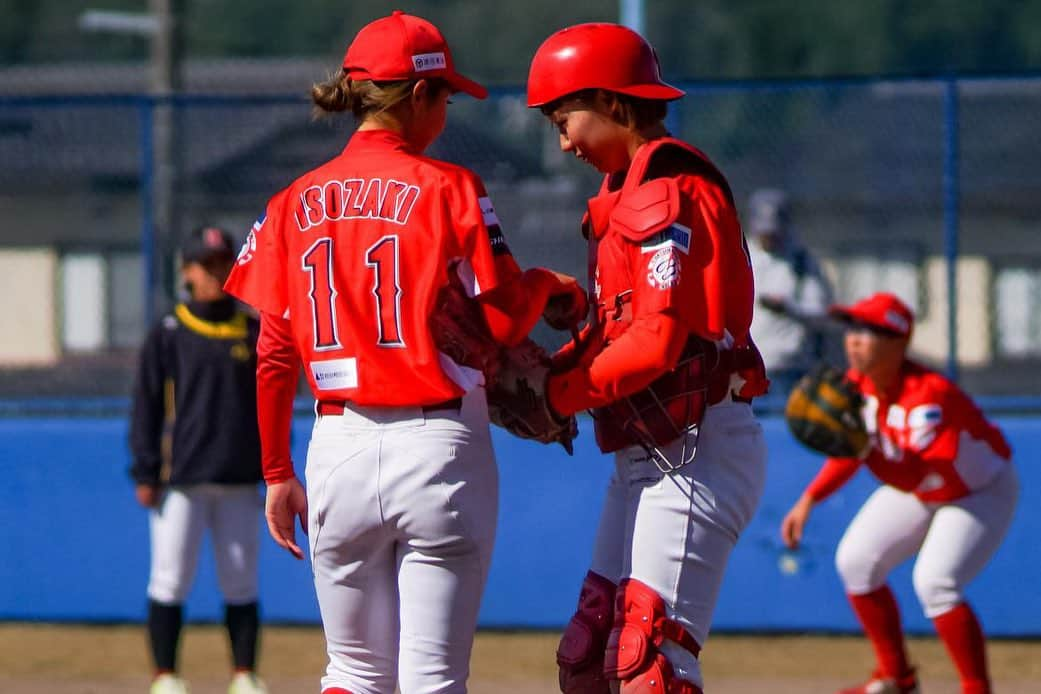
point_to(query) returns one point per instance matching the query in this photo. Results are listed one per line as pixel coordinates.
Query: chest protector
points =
(719, 359)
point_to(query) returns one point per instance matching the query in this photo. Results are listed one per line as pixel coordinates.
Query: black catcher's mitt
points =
(824, 414)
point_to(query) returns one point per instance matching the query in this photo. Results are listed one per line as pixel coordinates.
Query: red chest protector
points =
(718, 347)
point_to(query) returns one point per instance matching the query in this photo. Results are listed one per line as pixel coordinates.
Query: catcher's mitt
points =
(515, 377)
(824, 413)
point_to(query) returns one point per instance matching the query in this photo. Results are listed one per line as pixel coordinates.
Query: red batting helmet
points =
(596, 56)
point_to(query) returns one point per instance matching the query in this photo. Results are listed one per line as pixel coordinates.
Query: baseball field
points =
(64, 659)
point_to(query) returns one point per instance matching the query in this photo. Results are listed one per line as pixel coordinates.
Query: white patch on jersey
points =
(922, 422)
(677, 236)
(334, 374)
(663, 272)
(429, 61)
(488, 211)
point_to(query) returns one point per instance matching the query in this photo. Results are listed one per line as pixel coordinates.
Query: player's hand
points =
(147, 495)
(286, 501)
(567, 305)
(795, 521)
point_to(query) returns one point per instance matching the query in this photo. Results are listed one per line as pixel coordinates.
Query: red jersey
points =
(667, 261)
(928, 437)
(354, 254)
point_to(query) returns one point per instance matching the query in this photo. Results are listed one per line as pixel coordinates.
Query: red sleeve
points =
(647, 349)
(258, 277)
(835, 473)
(277, 372)
(512, 309)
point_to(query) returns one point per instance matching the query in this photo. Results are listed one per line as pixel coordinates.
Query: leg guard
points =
(640, 628)
(581, 651)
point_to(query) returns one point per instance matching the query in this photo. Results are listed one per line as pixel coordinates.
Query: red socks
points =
(961, 633)
(880, 617)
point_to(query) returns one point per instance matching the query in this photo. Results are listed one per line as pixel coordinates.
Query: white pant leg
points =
(962, 538)
(681, 527)
(609, 547)
(176, 527)
(234, 523)
(888, 529)
(441, 491)
(352, 556)
(403, 509)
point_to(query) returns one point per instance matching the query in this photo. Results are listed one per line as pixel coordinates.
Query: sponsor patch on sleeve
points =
(249, 246)
(676, 236)
(491, 221)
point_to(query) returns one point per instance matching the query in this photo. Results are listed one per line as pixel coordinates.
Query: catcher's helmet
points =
(596, 56)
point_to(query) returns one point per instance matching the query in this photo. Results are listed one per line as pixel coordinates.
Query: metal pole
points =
(147, 158)
(165, 82)
(631, 14)
(951, 200)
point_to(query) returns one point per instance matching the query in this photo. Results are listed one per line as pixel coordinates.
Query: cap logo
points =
(212, 238)
(896, 320)
(429, 61)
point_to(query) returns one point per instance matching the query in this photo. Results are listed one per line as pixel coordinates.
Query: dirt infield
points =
(58, 659)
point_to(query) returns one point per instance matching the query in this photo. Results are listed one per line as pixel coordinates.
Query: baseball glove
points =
(824, 413)
(515, 377)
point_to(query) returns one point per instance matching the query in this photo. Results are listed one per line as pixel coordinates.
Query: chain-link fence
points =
(898, 185)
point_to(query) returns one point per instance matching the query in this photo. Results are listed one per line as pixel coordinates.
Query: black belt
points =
(334, 408)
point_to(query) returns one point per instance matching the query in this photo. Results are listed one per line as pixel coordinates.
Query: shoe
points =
(168, 683)
(879, 684)
(247, 683)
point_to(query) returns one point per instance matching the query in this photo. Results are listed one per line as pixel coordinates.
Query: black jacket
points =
(195, 398)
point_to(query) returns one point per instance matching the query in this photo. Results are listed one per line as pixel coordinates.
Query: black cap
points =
(207, 244)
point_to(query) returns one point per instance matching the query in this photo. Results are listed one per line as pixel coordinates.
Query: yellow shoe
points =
(168, 683)
(247, 683)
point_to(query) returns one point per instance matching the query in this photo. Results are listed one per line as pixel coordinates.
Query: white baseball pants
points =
(402, 512)
(674, 532)
(232, 513)
(954, 541)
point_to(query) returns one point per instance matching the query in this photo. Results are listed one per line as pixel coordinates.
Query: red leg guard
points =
(335, 690)
(580, 654)
(640, 628)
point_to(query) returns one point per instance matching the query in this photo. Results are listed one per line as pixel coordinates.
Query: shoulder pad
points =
(647, 209)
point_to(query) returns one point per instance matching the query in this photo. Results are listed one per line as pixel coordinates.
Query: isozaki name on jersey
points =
(356, 198)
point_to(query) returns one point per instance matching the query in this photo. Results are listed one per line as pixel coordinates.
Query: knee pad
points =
(640, 627)
(580, 654)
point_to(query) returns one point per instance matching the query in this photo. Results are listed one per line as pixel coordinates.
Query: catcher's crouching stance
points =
(666, 366)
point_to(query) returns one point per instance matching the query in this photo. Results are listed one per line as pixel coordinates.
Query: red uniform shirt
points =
(354, 254)
(667, 261)
(928, 437)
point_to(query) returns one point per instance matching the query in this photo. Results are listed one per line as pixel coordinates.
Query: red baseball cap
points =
(404, 47)
(882, 310)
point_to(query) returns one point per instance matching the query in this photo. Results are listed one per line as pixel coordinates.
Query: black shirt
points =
(196, 394)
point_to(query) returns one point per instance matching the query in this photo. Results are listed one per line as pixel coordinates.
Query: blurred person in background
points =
(948, 494)
(792, 294)
(196, 458)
